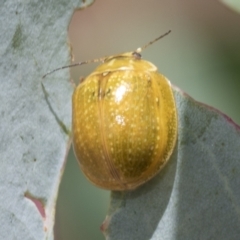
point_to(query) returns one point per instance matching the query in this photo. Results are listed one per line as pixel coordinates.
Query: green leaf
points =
(35, 114)
(197, 195)
(232, 4)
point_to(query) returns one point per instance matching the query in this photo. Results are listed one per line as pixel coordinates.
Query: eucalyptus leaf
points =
(197, 194)
(35, 114)
(232, 4)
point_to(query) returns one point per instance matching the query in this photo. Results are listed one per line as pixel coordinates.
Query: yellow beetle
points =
(124, 122)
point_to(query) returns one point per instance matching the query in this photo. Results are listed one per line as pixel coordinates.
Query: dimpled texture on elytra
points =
(124, 123)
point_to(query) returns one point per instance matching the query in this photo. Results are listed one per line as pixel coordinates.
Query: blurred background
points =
(201, 56)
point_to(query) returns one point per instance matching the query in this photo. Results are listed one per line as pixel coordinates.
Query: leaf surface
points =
(35, 114)
(232, 4)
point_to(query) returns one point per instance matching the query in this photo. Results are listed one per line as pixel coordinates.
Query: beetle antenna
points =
(151, 42)
(74, 65)
(104, 58)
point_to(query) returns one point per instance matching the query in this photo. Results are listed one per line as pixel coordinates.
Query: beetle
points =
(124, 121)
